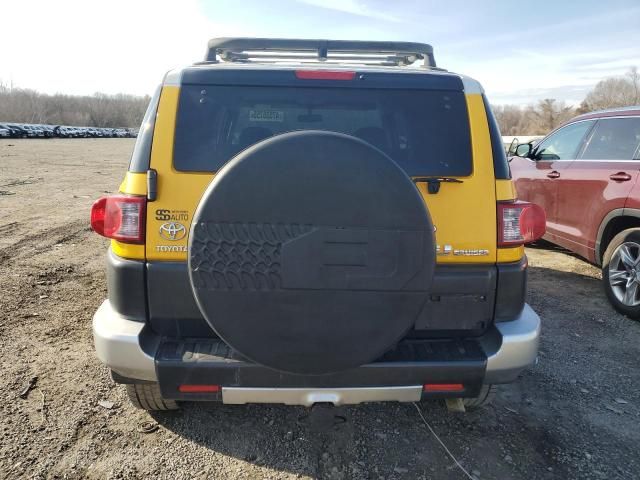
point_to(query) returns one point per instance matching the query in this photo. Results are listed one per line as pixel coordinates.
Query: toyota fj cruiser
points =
(312, 221)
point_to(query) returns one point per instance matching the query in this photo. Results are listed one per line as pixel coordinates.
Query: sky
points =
(520, 51)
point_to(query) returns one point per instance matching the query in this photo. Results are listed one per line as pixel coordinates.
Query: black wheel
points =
(621, 272)
(487, 393)
(146, 396)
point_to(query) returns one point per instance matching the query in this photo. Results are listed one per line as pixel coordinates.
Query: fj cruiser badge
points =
(444, 250)
(172, 231)
(448, 250)
(474, 252)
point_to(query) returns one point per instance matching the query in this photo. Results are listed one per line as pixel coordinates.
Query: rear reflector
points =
(324, 75)
(198, 388)
(120, 217)
(520, 223)
(443, 387)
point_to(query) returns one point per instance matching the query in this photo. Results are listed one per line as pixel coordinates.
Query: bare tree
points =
(100, 110)
(634, 78)
(615, 92)
(510, 119)
(532, 120)
(548, 114)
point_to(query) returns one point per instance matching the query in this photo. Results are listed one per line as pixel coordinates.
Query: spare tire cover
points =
(311, 252)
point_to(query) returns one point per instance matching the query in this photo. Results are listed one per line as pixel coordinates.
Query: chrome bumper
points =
(518, 347)
(128, 348)
(309, 396)
(119, 344)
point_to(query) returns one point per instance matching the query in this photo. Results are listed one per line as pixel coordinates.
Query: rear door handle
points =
(553, 174)
(620, 177)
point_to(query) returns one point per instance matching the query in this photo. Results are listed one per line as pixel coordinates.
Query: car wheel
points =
(147, 396)
(621, 272)
(487, 393)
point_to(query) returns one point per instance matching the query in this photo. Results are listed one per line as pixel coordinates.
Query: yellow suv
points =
(310, 221)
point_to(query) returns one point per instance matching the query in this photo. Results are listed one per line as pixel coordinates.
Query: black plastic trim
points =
(264, 76)
(126, 287)
(161, 293)
(172, 307)
(464, 301)
(413, 362)
(511, 290)
(141, 155)
(152, 185)
(617, 213)
(460, 302)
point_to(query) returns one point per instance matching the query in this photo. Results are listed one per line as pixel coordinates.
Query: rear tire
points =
(621, 272)
(487, 393)
(147, 396)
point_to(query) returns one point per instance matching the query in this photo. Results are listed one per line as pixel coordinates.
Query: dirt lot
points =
(574, 415)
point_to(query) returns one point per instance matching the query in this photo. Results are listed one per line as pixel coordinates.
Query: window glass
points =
(425, 131)
(613, 139)
(142, 150)
(564, 144)
(500, 163)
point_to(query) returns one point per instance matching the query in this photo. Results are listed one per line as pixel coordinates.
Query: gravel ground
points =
(573, 415)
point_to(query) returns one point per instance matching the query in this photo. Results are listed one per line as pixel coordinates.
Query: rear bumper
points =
(133, 351)
(126, 346)
(518, 347)
(309, 396)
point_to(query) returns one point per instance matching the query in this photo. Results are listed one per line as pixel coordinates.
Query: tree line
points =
(21, 105)
(547, 114)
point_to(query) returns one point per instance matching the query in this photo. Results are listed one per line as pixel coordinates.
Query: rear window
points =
(425, 131)
(613, 139)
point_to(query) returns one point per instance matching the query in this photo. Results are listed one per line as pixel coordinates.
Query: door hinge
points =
(152, 185)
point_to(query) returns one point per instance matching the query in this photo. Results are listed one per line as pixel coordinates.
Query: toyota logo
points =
(173, 231)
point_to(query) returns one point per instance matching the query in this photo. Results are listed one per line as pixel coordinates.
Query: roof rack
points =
(270, 50)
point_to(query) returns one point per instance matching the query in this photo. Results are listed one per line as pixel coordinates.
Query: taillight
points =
(443, 387)
(120, 217)
(324, 75)
(189, 388)
(520, 223)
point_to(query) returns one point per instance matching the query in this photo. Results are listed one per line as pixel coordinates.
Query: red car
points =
(585, 175)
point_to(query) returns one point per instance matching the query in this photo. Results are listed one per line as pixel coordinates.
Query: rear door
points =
(424, 122)
(598, 182)
(537, 178)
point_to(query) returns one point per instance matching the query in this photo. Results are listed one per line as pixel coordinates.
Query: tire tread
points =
(147, 396)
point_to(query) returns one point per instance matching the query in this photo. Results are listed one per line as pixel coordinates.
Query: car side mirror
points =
(524, 150)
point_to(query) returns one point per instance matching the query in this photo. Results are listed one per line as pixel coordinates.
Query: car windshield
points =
(425, 131)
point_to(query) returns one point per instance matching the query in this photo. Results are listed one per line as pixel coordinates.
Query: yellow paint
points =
(505, 190)
(511, 254)
(181, 193)
(464, 214)
(128, 250)
(134, 184)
